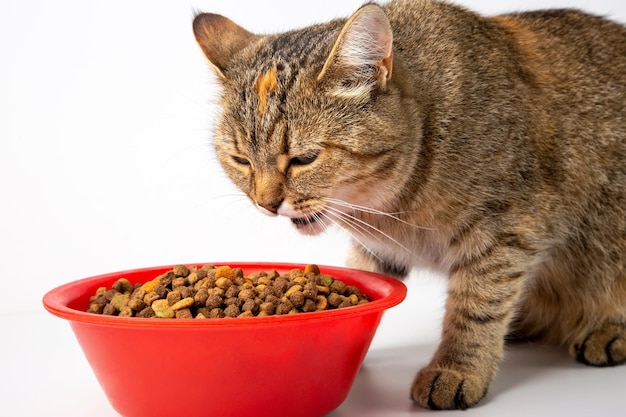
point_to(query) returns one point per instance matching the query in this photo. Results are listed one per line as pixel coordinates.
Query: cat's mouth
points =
(311, 225)
(307, 222)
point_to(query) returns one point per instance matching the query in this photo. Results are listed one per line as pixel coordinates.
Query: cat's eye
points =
(304, 159)
(240, 160)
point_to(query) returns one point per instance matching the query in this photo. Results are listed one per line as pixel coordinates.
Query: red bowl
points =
(292, 365)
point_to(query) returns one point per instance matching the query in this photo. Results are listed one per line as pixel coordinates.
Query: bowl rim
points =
(55, 301)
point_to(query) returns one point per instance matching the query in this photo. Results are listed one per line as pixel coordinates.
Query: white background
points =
(106, 164)
(105, 128)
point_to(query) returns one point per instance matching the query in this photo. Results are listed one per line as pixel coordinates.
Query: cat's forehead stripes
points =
(266, 83)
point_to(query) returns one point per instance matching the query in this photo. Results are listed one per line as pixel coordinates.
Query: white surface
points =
(106, 164)
(44, 372)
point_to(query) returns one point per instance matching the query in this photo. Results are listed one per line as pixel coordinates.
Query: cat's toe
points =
(605, 346)
(447, 389)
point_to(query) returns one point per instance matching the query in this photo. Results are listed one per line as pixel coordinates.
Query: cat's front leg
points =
(482, 296)
(362, 258)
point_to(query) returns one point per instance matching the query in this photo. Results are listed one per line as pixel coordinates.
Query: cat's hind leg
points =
(604, 346)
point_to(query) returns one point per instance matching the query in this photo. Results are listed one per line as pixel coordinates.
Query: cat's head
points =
(312, 122)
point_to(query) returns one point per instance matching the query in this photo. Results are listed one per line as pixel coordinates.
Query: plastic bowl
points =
(299, 365)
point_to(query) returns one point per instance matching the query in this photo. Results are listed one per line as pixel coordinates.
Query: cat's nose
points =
(272, 207)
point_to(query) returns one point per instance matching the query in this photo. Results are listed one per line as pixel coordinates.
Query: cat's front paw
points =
(447, 389)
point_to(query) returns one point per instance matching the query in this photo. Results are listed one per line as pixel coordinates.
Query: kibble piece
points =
(281, 284)
(185, 303)
(312, 268)
(335, 299)
(146, 312)
(136, 304)
(138, 293)
(206, 312)
(338, 286)
(100, 291)
(351, 289)
(264, 280)
(325, 280)
(345, 303)
(161, 290)
(233, 301)
(250, 305)
(225, 272)
(101, 299)
(162, 309)
(120, 300)
(321, 303)
(179, 282)
(213, 301)
(322, 289)
(150, 298)
(150, 285)
(109, 310)
(126, 311)
(201, 296)
(271, 298)
(96, 308)
(295, 273)
(110, 294)
(216, 291)
(217, 313)
(297, 299)
(284, 307)
(166, 278)
(309, 306)
(265, 291)
(293, 289)
(223, 283)
(301, 280)
(184, 313)
(310, 291)
(181, 270)
(122, 285)
(268, 308)
(203, 283)
(173, 297)
(247, 293)
(186, 292)
(193, 277)
(354, 300)
(232, 311)
(232, 291)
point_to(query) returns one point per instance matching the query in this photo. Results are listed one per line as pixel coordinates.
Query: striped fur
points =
(490, 148)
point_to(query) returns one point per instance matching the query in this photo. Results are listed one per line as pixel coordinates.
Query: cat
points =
(490, 148)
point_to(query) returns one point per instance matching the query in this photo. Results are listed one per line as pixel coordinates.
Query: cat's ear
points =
(220, 38)
(362, 56)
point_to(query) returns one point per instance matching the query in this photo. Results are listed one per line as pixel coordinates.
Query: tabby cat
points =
(490, 148)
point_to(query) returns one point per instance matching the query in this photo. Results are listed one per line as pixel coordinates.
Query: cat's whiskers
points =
(233, 198)
(351, 232)
(370, 210)
(362, 227)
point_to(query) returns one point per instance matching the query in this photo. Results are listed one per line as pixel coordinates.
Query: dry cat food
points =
(221, 291)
